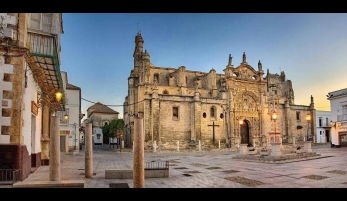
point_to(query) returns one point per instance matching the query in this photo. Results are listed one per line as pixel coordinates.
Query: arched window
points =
(165, 92)
(156, 78)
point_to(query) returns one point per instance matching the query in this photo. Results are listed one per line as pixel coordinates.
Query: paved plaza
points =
(206, 169)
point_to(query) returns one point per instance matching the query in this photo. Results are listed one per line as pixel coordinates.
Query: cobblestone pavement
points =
(207, 169)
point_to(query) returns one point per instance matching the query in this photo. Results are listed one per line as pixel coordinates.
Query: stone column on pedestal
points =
(199, 145)
(138, 162)
(178, 145)
(54, 165)
(88, 151)
(45, 137)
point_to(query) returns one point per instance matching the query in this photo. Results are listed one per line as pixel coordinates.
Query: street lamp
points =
(58, 96)
(274, 117)
(308, 119)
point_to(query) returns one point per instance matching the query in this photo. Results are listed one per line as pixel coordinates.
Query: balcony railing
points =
(9, 176)
(41, 44)
(324, 125)
(341, 118)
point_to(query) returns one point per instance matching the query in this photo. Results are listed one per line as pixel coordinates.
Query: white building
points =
(338, 106)
(70, 119)
(323, 127)
(100, 115)
(29, 81)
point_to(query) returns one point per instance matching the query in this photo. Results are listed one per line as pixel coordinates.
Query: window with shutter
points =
(47, 22)
(35, 21)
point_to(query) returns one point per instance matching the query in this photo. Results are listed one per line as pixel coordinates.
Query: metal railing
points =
(9, 175)
(41, 44)
(157, 165)
(341, 117)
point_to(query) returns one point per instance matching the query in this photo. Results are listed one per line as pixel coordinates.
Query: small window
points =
(221, 115)
(298, 116)
(175, 112)
(320, 122)
(212, 112)
(165, 92)
(204, 114)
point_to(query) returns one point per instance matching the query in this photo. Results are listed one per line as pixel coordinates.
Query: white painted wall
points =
(337, 100)
(73, 107)
(321, 130)
(33, 144)
(97, 130)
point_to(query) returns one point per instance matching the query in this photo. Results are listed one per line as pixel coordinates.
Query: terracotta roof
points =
(96, 106)
(101, 108)
(105, 109)
(70, 86)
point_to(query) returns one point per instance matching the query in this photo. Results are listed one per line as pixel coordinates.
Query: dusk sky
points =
(311, 49)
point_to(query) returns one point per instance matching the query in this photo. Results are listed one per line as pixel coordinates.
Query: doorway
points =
(343, 139)
(244, 131)
(327, 134)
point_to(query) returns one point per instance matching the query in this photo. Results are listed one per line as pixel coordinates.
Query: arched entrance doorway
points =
(244, 131)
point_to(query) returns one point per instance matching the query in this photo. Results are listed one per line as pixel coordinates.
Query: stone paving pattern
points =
(207, 169)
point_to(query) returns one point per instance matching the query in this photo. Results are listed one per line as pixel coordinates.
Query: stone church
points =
(185, 107)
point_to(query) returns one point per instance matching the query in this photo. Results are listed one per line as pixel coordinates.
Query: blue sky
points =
(311, 48)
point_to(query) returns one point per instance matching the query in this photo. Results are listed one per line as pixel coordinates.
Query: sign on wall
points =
(64, 131)
(34, 108)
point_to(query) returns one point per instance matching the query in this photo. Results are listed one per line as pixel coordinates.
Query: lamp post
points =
(308, 119)
(274, 118)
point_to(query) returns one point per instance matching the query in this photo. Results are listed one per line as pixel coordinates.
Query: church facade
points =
(184, 107)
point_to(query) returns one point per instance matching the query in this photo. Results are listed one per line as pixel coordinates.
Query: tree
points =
(113, 128)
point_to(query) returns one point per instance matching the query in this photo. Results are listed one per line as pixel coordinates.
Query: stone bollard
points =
(178, 145)
(155, 146)
(243, 150)
(218, 144)
(199, 145)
